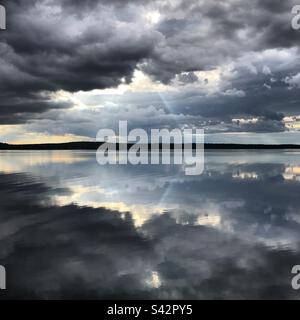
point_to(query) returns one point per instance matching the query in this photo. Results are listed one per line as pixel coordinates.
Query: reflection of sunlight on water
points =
(18, 161)
(245, 175)
(292, 173)
(80, 196)
(212, 216)
(213, 220)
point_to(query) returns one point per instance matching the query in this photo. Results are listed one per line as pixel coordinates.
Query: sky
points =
(70, 68)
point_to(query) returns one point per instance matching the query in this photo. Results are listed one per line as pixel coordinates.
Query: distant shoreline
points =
(95, 146)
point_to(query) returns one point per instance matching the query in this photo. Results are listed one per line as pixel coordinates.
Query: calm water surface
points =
(70, 228)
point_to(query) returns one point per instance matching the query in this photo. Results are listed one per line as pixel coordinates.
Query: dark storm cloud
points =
(84, 45)
(251, 91)
(211, 32)
(44, 49)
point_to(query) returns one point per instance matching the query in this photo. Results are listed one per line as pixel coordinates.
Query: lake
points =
(70, 228)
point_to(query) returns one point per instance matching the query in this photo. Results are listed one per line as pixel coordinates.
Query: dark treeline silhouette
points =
(95, 146)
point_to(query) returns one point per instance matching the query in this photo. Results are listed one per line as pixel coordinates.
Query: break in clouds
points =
(227, 66)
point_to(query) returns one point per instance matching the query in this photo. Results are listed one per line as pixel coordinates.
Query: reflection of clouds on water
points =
(292, 173)
(74, 252)
(80, 230)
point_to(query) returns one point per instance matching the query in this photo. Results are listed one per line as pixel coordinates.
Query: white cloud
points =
(266, 70)
(293, 81)
(234, 93)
